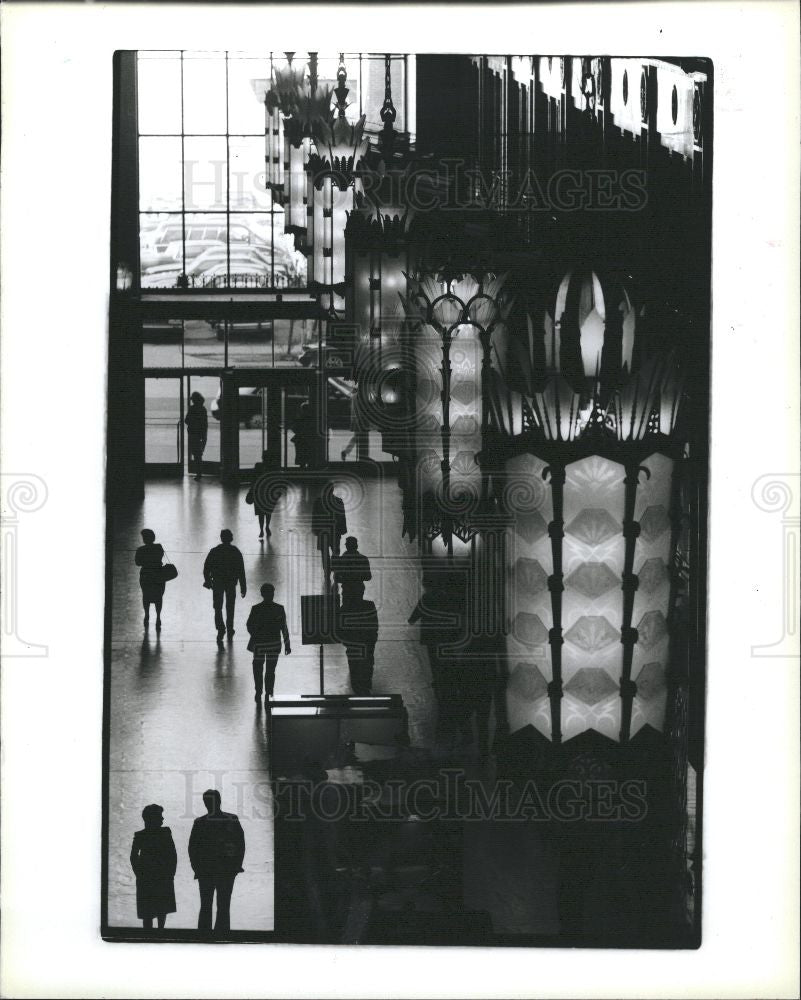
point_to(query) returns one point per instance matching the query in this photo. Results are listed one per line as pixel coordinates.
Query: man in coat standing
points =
(267, 626)
(223, 569)
(216, 852)
(351, 569)
(197, 425)
(357, 630)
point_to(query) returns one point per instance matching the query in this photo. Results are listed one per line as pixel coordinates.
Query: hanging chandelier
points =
(280, 101)
(311, 105)
(338, 149)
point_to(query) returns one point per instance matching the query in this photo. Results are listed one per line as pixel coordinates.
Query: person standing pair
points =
(216, 852)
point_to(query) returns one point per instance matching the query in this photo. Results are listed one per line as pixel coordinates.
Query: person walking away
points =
(351, 569)
(154, 860)
(264, 495)
(197, 425)
(216, 853)
(223, 569)
(149, 557)
(267, 626)
(329, 524)
(357, 630)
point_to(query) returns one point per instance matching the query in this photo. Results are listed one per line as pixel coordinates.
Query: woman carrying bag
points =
(152, 574)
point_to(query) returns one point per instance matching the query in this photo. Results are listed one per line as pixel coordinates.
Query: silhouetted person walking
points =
(264, 494)
(149, 557)
(197, 425)
(329, 524)
(351, 569)
(357, 630)
(267, 626)
(216, 852)
(154, 861)
(223, 569)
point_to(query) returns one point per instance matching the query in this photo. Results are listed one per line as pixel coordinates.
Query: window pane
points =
(291, 340)
(162, 343)
(251, 264)
(159, 92)
(206, 246)
(162, 420)
(204, 346)
(247, 84)
(265, 233)
(204, 93)
(248, 179)
(250, 342)
(160, 248)
(205, 181)
(373, 82)
(327, 66)
(159, 174)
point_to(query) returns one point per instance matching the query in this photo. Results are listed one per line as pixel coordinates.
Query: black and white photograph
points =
(411, 514)
(408, 411)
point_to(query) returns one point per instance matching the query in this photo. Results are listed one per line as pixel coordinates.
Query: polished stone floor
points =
(182, 716)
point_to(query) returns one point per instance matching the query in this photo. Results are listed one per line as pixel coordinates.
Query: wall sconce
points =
(124, 280)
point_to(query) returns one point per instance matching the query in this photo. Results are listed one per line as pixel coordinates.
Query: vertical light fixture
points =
(453, 317)
(280, 102)
(333, 167)
(576, 404)
(311, 104)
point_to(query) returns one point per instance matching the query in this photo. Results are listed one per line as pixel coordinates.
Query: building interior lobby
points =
(467, 297)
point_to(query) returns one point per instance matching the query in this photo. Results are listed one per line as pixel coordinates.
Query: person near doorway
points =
(197, 425)
(351, 569)
(267, 627)
(329, 524)
(223, 569)
(154, 860)
(357, 630)
(264, 493)
(149, 557)
(216, 853)
(305, 438)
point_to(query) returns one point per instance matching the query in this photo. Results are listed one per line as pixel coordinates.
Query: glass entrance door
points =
(271, 413)
(268, 420)
(164, 437)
